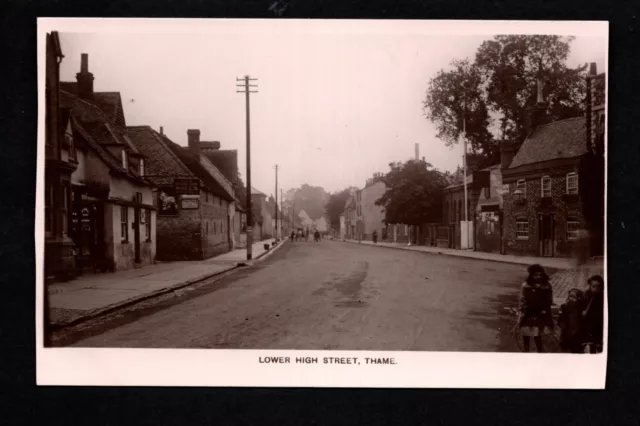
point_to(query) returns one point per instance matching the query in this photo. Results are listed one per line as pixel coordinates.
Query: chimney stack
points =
(193, 136)
(84, 78)
(417, 152)
(161, 130)
(593, 69)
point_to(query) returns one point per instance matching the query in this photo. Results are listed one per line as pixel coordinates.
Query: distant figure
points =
(375, 237)
(535, 318)
(316, 236)
(293, 235)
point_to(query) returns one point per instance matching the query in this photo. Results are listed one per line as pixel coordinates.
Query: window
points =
(572, 183)
(142, 167)
(522, 229)
(72, 149)
(573, 227)
(124, 223)
(206, 196)
(65, 208)
(147, 223)
(545, 186)
(220, 201)
(48, 209)
(521, 185)
(214, 228)
(125, 160)
(207, 227)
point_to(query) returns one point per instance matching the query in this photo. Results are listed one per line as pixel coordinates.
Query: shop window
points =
(573, 227)
(124, 223)
(572, 183)
(545, 187)
(521, 186)
(147, 223)
(522, 229)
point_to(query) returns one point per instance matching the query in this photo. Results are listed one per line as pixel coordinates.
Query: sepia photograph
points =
(322, 203)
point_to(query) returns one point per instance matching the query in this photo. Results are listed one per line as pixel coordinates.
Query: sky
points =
(337, 101)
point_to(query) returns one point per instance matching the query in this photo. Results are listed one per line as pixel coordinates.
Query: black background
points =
(22, 402)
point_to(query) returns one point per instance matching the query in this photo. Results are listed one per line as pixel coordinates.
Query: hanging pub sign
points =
(167, 205)
(186, 186)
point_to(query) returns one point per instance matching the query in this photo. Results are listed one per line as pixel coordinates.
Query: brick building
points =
(195, 201)
(489, 217)
(543, 211)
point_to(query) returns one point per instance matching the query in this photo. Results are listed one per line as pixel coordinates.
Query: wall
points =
(372, 215)
(214, 225)
(530, 209)
(179, 236)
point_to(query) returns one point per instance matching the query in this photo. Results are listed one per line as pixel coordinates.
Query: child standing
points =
(570, 322)
(593, 314)
(536, 298)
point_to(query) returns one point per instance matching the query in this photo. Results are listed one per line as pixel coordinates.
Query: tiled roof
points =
(256, 192)
(94, 119)
(225, 160)
(103, 154)
(110, 103)
(168, 160)
(560, 139)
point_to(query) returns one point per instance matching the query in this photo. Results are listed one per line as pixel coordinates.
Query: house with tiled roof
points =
(543, 208)
(109, 200)
(196, 203)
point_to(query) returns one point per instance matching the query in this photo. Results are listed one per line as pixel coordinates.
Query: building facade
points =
(373, 217)
(195, 202)
(263, 217)
(111, 218)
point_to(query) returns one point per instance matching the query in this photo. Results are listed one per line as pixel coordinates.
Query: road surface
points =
(334, 295)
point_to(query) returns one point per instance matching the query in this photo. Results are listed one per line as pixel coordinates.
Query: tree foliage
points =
(413, 194)
(499, 86)
(335, 206)
(311, 199)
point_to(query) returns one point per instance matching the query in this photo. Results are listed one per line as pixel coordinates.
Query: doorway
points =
(546, 235)
(136, 234)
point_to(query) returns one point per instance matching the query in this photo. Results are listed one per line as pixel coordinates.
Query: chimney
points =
(84, 78)
(473, 161)
(417, 152)
(193, 136)
(593, 69)
(536, 115)
(161, 130)
(507, 152)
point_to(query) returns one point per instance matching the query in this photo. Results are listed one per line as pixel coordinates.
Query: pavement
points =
(330, 295)
(92, 295)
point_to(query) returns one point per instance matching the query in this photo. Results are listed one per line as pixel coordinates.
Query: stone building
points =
(109, 206)
(372, 214)
(195, 201)
(263, 226)
(543, 210)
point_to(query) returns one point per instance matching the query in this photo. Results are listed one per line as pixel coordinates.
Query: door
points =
(546, 234)
(136, 234)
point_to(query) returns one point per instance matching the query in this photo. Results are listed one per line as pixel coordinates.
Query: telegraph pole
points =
(246, 89)
(277, 234)
(464, 165)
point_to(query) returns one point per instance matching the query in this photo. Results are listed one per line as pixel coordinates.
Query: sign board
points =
(189, 203)
(186, 186)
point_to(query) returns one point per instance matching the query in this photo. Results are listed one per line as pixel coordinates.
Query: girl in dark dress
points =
(593, 314)
(536, 298)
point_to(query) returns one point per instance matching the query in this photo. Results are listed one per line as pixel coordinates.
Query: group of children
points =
(580, 319)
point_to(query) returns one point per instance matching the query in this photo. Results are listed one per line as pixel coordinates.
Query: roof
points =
(225, 160)
(469, 179)
(256, 192)
(185, 163)
(560, 139)
(96, 121)
(103, 154)
(109, 102)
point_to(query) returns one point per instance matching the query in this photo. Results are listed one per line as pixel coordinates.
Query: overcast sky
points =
(333, 106)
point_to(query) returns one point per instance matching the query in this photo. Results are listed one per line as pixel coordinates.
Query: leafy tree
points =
(413, 194)
(494, 91)
(335, 206)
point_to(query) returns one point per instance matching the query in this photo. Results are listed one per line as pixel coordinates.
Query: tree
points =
(335, 206)
(499, 86)
(413, 194)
